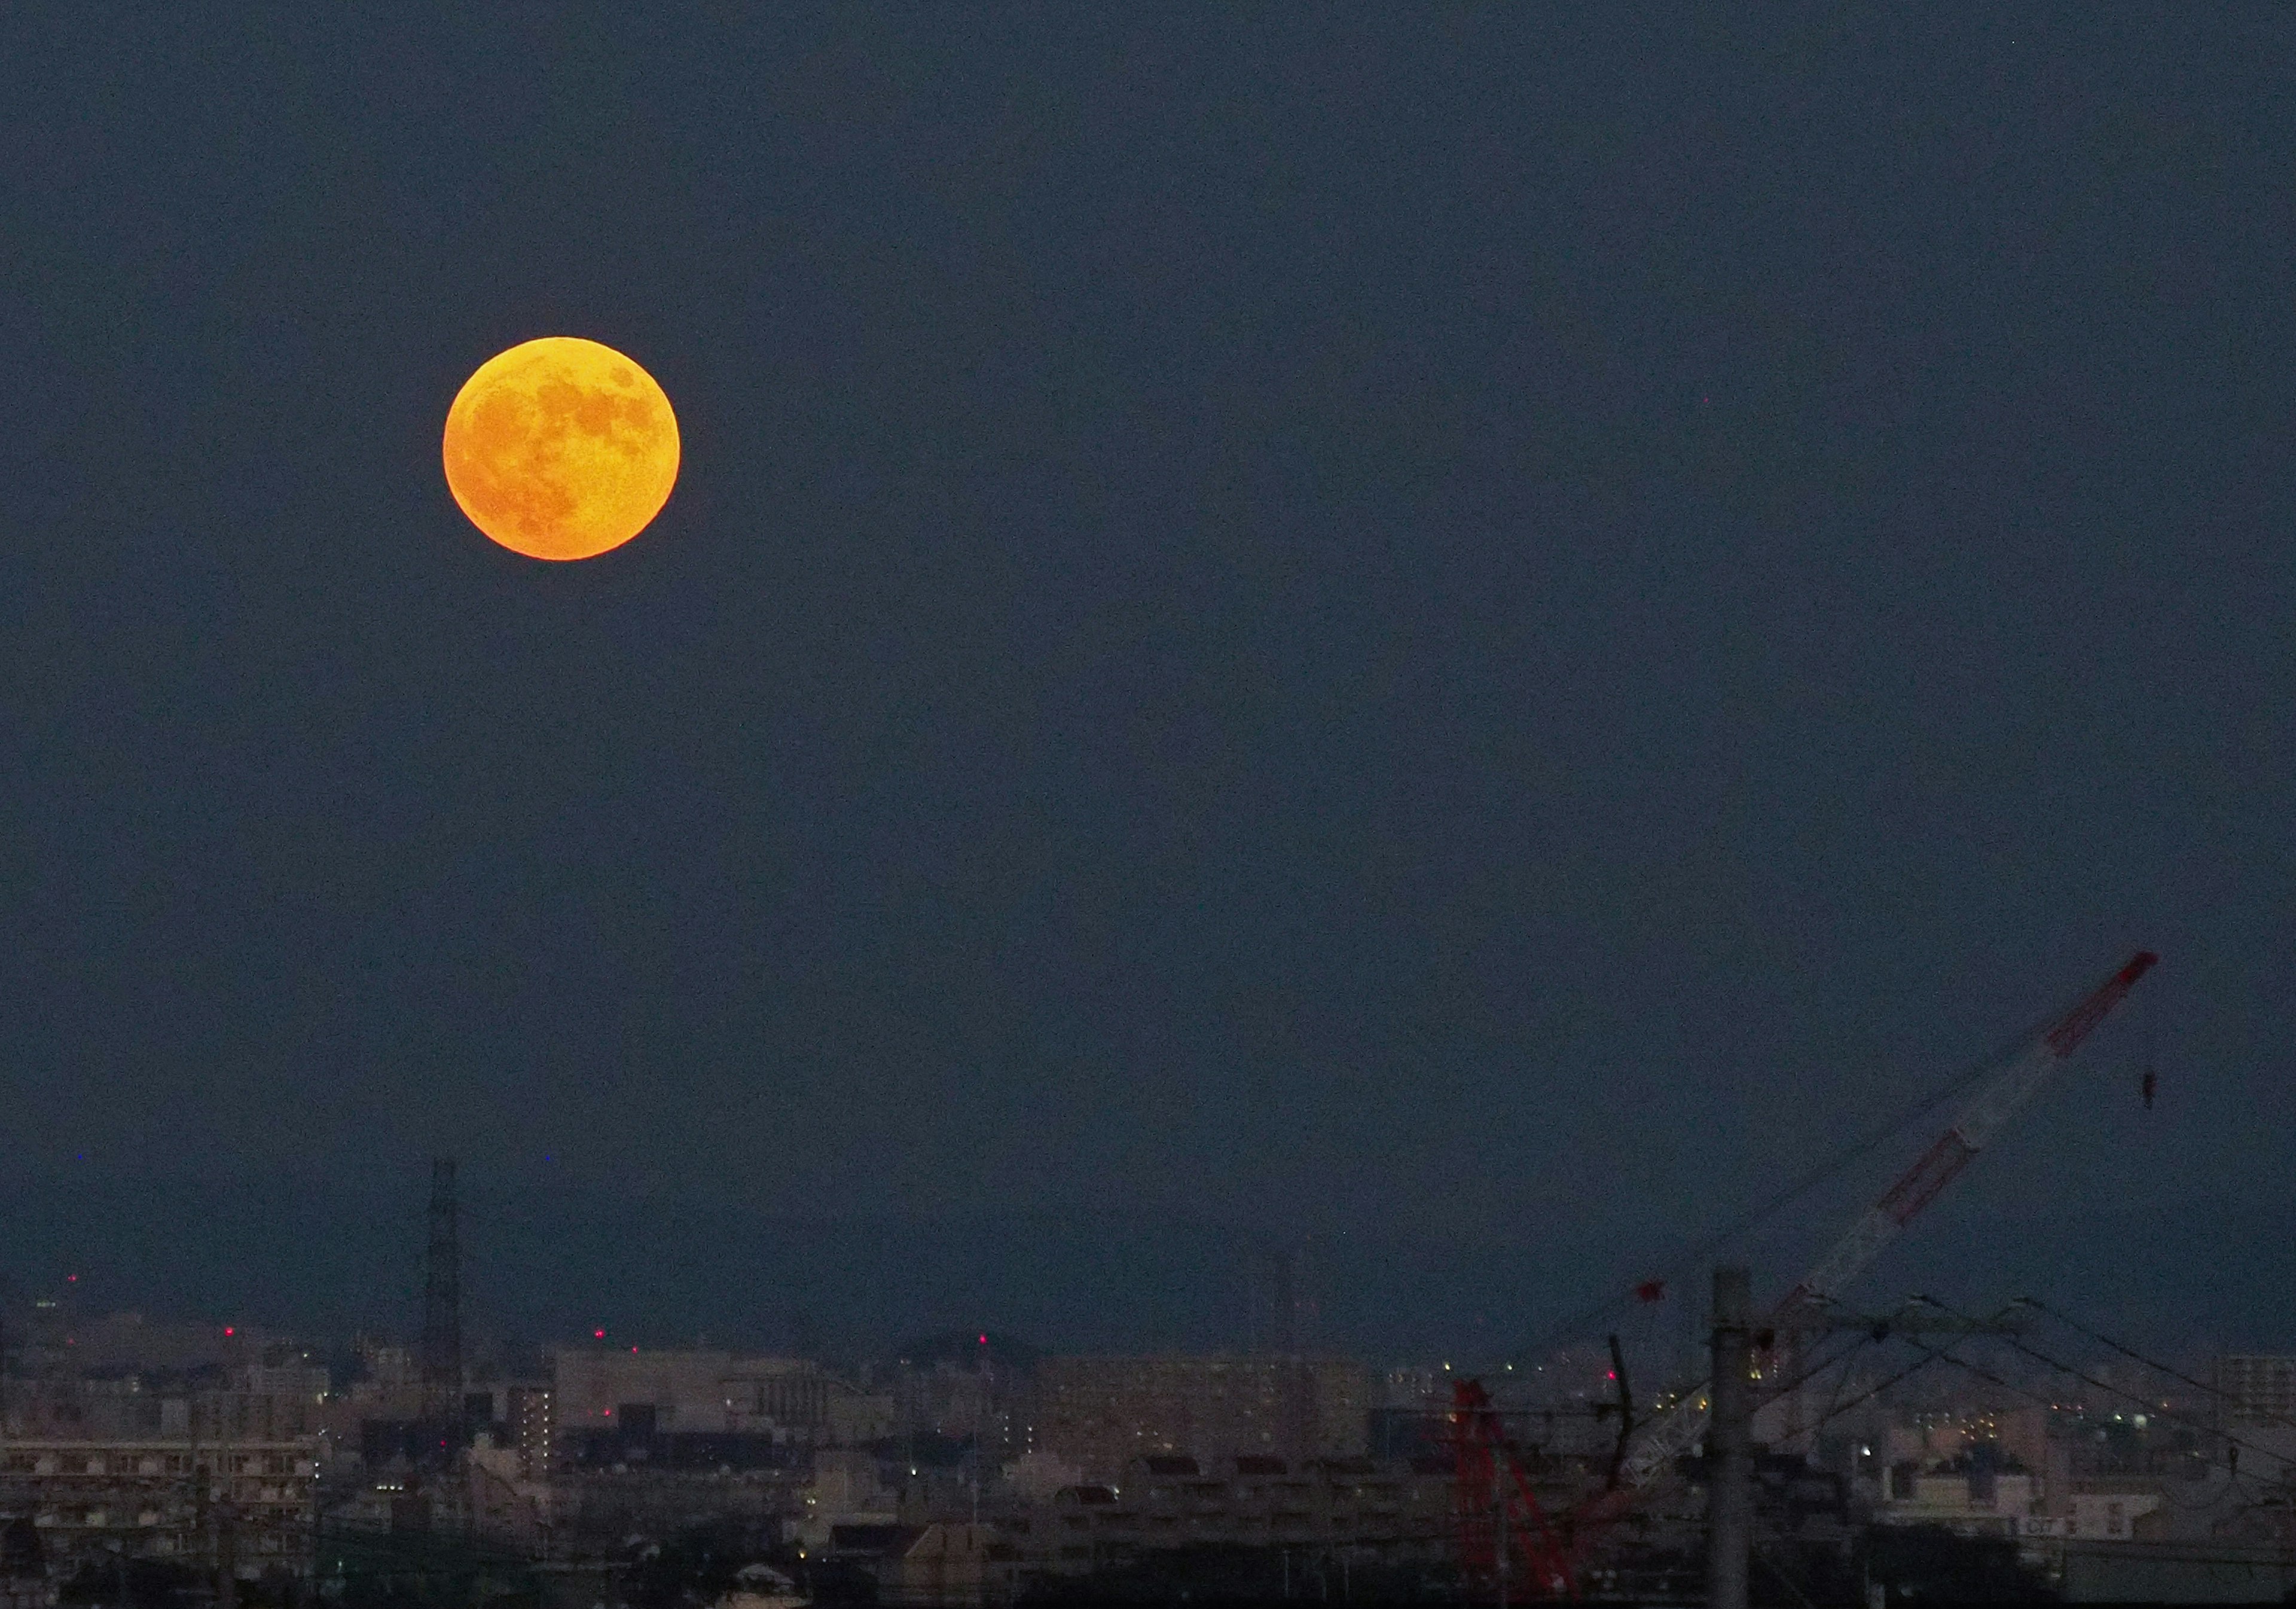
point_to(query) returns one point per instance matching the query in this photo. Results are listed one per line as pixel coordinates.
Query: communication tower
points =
(442, 1312)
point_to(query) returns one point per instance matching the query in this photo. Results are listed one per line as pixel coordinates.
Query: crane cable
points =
(1695, 1254)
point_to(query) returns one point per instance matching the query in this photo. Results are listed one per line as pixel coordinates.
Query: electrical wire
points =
(2235, 1483)
(1862, 1339)
(1819, 1365)
(1847, 1359)
(2104, 1385)
(2136, 1357)
(1681, 1402)
(1784, 1577)
(1903, 1374)
(1692, 1256)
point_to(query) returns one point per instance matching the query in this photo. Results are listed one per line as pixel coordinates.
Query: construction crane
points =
(1500, 1519)
(1996, 1101)
(1664, 1438)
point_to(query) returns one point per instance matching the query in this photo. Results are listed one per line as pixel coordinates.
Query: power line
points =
(1783, 1577)
(1842, 1356)
(1863, 1341)
(2103, 1386)
(1932, 1356)
(2136, 1357)
(2031, 1396)
(1694, 1255)
(1935, 1355)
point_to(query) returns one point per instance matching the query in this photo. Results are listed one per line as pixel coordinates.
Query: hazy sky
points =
(1468, 636)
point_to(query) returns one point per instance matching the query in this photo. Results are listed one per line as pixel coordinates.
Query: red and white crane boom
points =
(1996, 1101)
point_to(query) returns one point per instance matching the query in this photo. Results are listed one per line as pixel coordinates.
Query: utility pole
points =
(442, 1319)
(1998, 1097)
(1729, 1437)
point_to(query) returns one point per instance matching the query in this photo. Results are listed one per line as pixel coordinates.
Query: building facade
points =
(1374, 1512)
(1099, 1413)
(530, 1416)
(684, 1392)
(250, 1501)
(2257, 1389)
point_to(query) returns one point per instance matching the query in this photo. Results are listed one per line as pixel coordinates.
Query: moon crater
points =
(561, 448)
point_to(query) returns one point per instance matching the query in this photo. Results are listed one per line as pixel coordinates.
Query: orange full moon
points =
(561, 448)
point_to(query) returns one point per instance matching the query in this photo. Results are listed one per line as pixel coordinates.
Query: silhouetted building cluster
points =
(1100, 1413)
(967, 1469)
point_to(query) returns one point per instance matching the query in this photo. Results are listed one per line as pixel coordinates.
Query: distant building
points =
(1035, 1476)
(1098, 1414)
(847, 1491)
(856, 1418)
(1376, 1511)
(2023, 1434)
(391, 1369)
(942, 1397)
(942, 1566)
(682, 1392)
(1256, 1516)
(156, 1498)
(702, 1409)
(531, 1420)
(2110, 1516)
(53, 1338)
(1974, 1497)
(2258, 1390)
(501, 1502)
(253, 1403)
(1410, 1412)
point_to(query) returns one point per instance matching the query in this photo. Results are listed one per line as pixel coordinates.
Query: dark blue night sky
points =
(1465, 637)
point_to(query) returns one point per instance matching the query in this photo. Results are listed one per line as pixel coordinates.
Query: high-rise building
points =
(532, 1423)
(2258, 1390)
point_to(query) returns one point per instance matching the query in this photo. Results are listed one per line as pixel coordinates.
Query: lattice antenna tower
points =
(442, 1307)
